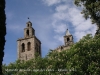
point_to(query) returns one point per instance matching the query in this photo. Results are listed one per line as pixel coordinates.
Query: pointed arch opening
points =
(23, 47)
(28, 25)
(28, 46)
(68, 39)
(27, 32)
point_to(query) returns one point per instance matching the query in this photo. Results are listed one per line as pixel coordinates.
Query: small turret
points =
(29, 31)
(68, 38)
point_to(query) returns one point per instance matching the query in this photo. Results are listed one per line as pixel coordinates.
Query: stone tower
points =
(68, 38)
(29, 45)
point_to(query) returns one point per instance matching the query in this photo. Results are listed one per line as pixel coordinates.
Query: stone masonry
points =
(68, 40)
(29, 45)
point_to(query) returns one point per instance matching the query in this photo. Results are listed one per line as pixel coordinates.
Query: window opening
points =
(23, 47)
(29, 46)
(27, 32)
(68, 39)
(28, 25)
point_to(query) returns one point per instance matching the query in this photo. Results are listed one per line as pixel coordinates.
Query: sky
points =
(50, 19)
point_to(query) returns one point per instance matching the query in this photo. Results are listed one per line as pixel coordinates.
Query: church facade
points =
(29, 45)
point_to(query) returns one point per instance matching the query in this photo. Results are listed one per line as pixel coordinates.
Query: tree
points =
(81, 59)
(85, 56)
(2, 31)
(91, 9)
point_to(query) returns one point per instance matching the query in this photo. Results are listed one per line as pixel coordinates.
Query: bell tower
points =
(68, 38)
(30, 45)
(28, 31)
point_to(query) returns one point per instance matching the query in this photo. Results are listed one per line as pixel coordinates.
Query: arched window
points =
(23, 47)
(61, 47)
(68, 39)
(28, 25)
(27, 32)
(28, 46)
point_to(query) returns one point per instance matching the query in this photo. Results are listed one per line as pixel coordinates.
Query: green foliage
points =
(91, 9)
(81, 59)
(86, 56)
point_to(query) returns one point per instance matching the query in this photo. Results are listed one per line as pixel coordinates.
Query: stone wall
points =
(29, 45)
(28, 54)
(63, 47)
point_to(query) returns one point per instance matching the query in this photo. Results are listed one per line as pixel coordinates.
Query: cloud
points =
(81, 26)
(67, 15)
(84, 26)
(59, 28)
(79, 34)
(60, 38)
(51, 2)
(61, 8)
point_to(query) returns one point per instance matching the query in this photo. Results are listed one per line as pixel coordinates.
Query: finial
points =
(67, 32)
(28, 18)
